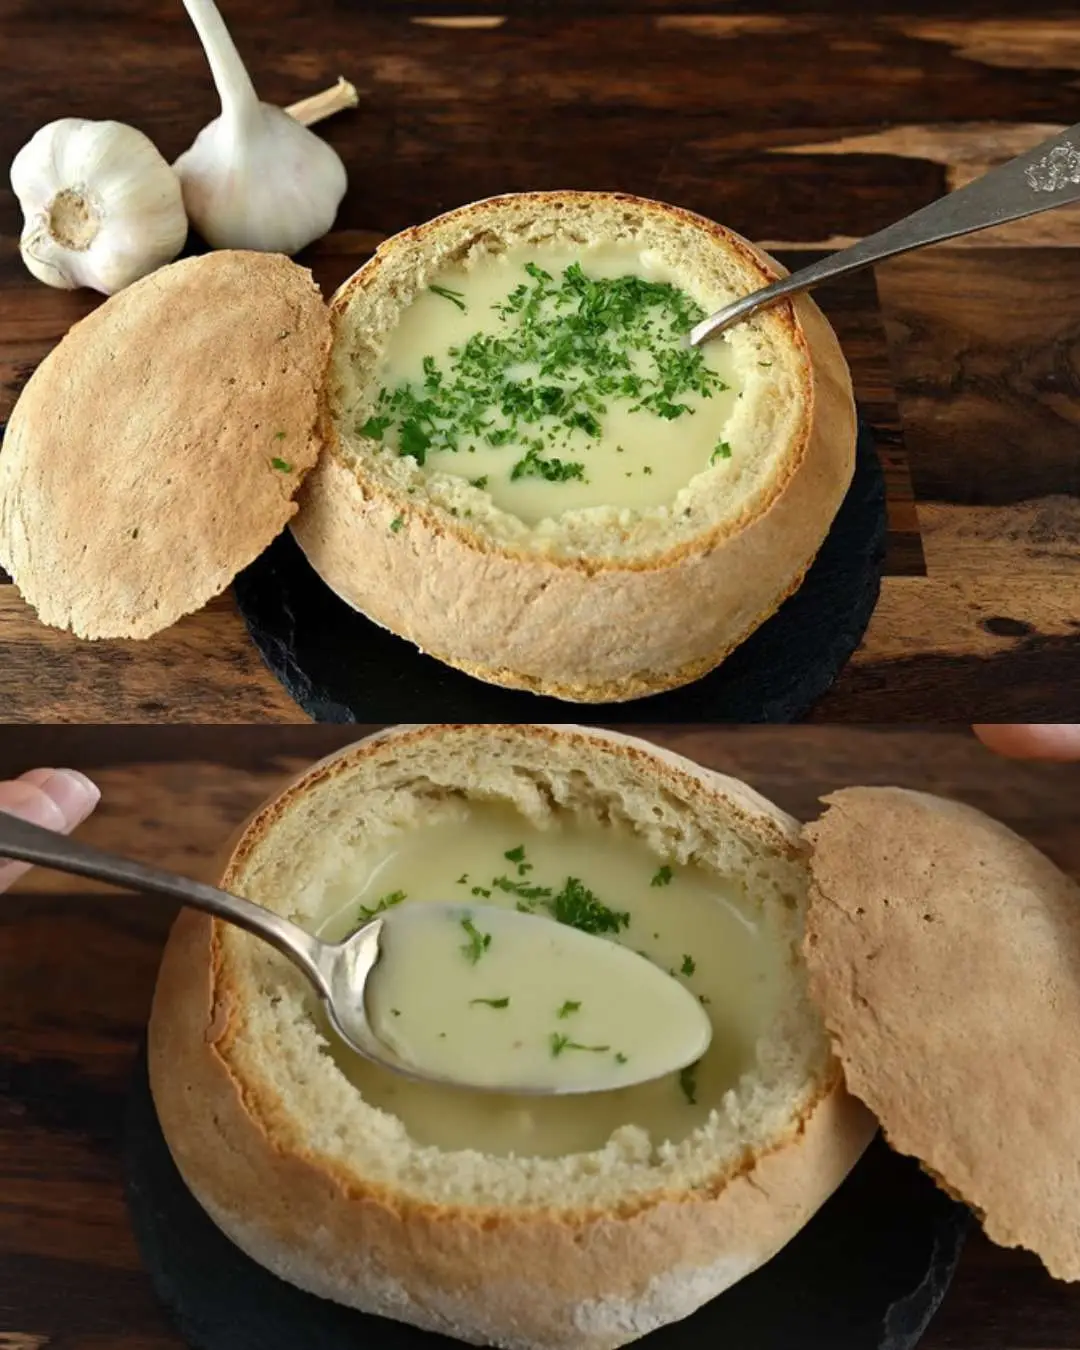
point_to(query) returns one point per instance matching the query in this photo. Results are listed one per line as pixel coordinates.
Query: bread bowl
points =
(540, 563)
(555, 1230)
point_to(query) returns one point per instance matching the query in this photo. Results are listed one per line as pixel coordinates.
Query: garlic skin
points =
(102, 207)
(255, 178)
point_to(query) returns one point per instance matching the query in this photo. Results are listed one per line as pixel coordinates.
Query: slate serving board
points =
(341, 667)
(867, 1273)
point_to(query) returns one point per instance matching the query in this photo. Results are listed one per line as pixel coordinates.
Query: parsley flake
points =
(455, 297)
(478, 942)
(559, 1043)
(368, 912)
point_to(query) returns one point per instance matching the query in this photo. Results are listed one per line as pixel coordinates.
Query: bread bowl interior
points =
(506, 1221)
(566, 414)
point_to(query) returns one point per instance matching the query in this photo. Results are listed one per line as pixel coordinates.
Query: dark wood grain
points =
(77, 966)
(803, 125)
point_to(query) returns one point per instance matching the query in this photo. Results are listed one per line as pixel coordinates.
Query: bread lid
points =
(158, 449)
(944, 955)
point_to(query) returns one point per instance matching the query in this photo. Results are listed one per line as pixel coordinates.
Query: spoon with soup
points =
(468, 996)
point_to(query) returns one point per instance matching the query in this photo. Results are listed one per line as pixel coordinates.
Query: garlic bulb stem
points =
(327, 102)
(235, 89)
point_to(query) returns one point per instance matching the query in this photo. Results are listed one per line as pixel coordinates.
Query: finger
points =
(57, 799)
(1032, 741)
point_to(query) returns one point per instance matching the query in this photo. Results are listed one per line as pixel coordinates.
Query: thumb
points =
(1046, 741)
(57, 799)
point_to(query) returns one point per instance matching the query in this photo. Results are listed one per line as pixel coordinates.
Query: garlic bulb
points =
(254, 178)
(102, 207)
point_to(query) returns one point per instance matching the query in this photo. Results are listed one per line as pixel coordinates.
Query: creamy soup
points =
(556, 378)
(703, 930)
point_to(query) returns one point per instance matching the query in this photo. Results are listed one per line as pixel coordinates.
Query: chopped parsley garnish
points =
(620, 1058)
(662, 877)
(722, 451)
(688, 1083)
(517, 855)
(574, 905)
(554, 470)
(490, 1002)
(567, 1008)
(559, 1043)
(396, 524)
(462, 880)
(280, 435)
(565, 350)
(479, 890)
(521, 889)
(414, 440)
(375, 426)
(368, 912)
(578, 907)
(282, 465)
(455, 297)
(689, 965)
(480, 482)
(478, 942)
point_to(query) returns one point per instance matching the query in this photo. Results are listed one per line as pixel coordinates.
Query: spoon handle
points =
(30, 843)
(1045, 177)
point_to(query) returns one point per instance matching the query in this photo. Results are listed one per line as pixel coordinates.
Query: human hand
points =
(57, 799)
(1032, 741)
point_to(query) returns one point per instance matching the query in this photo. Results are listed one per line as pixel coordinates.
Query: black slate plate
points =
(341, 667)
(867, 1272)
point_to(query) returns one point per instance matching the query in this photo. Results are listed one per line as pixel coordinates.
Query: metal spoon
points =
(338, 971)
(1044, 178)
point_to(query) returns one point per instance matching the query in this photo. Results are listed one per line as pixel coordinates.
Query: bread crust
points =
(524, 1279)
(158, 449)
(944, 952)
(585, 628)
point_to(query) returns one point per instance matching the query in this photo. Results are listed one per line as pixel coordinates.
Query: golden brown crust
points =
(138, 476)
(586, 629)
(944, 952)
(475, 1273)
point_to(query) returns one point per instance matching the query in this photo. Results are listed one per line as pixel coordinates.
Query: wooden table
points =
(77, 967)
(800, 129)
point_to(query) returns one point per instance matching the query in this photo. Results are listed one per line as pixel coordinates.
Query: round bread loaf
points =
(584, 1251)
(596, 604)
